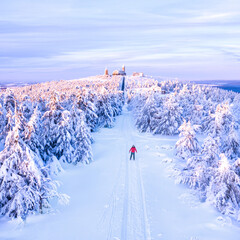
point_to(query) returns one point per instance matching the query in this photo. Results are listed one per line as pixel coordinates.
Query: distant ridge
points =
(230, 85)
(8, 85)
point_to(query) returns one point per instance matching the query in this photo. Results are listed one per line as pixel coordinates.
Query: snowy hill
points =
(75, 125)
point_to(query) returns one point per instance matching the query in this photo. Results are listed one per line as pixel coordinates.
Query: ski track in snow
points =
(135, 222)
(128, 196)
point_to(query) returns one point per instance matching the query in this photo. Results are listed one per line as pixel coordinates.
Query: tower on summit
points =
(106, 72)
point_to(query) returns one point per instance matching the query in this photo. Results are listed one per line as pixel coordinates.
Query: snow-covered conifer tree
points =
(169, 117)
(236, 166)
(186, 101)
(23, 187)
(51, 122)
(197, 114)
(196, 175)
(26, 107)
(222, 119)
(86, 102)
(82, 144)
(211, 150)
(116, 103)
(9, 101)
(2, 121)
(208, 125)
(225, 127)
(136, 101)
(187, 145)
(230, 143)
(8, 108)
(63, 149)
(144, 120)
(104, 110)
(197, 170)
(50, 134)
(32, 133)
(224, 191)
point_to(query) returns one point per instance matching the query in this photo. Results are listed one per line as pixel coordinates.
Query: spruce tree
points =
(104, 110)
(82, 144)
(32, 133)
(169, 117)
(230, 143)
(86, 103)
(144, 121)
(23, 187)
(223, 191)
(63, 149)
(211, 150)
(51, 122)
(187, 145)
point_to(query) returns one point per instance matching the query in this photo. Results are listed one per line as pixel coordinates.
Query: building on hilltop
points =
(120, 72)
(138, 74)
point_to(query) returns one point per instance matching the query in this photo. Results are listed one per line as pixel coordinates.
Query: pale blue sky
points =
(56, 39)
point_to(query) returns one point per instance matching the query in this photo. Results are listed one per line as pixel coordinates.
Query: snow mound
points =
(190, 199)
(167, 147)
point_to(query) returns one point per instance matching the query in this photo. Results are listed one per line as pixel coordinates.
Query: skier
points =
(132, 150)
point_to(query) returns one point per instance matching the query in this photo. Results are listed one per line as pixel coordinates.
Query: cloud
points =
(66, 37)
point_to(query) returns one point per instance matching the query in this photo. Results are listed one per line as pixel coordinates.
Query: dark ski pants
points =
(132, 156)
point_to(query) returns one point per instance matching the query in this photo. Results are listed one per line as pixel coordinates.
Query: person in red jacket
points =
(132, 151)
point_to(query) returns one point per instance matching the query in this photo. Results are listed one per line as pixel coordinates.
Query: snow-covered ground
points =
(117, 199)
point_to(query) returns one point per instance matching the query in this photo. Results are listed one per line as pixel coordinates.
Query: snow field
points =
(117, 199)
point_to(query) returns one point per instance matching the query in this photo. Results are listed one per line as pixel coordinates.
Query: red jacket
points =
(133, 150)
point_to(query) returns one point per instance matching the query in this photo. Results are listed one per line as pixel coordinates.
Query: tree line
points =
(212, 167)
(45, 127)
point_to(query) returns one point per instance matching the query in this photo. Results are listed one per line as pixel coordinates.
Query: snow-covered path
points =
(117, 199)
(126, 216)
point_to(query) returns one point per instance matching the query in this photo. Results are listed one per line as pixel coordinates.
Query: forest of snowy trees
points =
(43, 128)
(211, 166)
